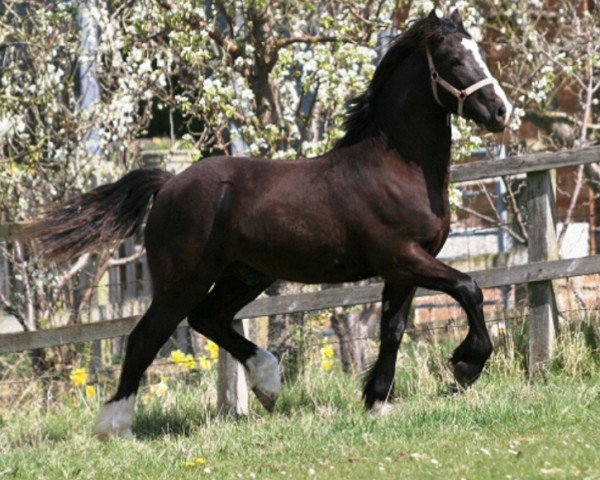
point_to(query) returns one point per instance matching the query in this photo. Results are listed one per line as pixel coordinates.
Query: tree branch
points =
(230, 47)
(493, 222)
(515, 208)
(8, 308)
(284, 42)
(118, 262)
(75, 268)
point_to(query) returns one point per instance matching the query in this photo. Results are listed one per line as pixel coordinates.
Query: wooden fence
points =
(542, 268)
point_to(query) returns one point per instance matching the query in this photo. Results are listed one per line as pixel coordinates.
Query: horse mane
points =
(358, 115)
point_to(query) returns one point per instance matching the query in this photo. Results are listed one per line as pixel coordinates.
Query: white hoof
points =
(381, 409)
(115, 419)
(264, 378)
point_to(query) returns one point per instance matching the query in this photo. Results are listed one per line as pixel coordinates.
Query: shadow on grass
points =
(153, 424)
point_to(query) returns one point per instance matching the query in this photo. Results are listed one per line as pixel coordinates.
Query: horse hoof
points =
(465, 373)
(267, 401)
(381, 408)
(105, 436)
(115, 419)
(264, 378)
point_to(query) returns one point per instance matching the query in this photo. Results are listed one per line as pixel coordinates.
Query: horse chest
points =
(403, 207)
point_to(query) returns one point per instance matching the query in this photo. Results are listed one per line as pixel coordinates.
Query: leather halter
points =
(461, 95)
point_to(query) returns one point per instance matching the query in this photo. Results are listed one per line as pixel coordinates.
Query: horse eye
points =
(455, 62)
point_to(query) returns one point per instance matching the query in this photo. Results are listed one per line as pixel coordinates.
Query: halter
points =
(461, 95)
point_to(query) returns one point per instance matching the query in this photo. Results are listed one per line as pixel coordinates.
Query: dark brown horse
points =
(222, 231)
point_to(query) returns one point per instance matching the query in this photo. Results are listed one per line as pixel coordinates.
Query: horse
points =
(219, 233)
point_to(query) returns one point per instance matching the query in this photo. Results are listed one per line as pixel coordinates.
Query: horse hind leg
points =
(149, 335)
(151, 332)
(213, 318)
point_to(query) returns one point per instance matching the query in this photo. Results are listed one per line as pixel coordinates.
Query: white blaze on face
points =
(472, 47)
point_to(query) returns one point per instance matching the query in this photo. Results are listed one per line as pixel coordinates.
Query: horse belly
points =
(310, 269)
(307, 258)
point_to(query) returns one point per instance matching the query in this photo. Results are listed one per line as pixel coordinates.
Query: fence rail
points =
(537, 275)
(303, 302)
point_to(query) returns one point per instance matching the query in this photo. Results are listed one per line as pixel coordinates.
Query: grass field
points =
(503, 428)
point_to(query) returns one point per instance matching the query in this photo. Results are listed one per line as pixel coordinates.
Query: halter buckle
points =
(435, 75)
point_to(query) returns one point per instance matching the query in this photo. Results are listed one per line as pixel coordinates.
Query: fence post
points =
(232, 390)
(542, 246)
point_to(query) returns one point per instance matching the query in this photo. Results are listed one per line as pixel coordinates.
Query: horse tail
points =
(96, 219)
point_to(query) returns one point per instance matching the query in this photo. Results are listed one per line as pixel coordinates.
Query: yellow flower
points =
(177, 356)
(201, 460)
(79, 376)
(327, 351)
(327, 364)
(90, 391)
(213, 350)
(189, 362)
(204, 363)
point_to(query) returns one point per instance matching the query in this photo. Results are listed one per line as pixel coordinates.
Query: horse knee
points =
(468, 291)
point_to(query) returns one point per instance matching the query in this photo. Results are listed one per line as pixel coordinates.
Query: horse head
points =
(460, 79)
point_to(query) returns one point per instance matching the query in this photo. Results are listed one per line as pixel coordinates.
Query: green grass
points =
(502, 428)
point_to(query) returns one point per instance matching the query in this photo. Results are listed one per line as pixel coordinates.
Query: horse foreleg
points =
(213, 318)
(379, 382)
(415, 265)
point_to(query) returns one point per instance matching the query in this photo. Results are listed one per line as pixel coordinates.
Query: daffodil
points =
(177, 356)
(90, 391)
(327, 364)
(79, 376)
(327, 351)
(189, 362)
(204, 363)
(213, 350)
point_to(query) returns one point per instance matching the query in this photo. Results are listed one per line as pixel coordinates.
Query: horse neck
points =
(413, 127)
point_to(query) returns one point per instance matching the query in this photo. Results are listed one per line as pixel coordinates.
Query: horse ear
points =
(457, 19)
(433, 15)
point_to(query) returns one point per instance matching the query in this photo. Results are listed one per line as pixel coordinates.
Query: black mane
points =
(357, 120)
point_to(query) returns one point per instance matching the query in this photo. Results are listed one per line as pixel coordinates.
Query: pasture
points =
(503, 427)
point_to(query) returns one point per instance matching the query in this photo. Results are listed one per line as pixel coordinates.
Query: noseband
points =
(461, 95)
